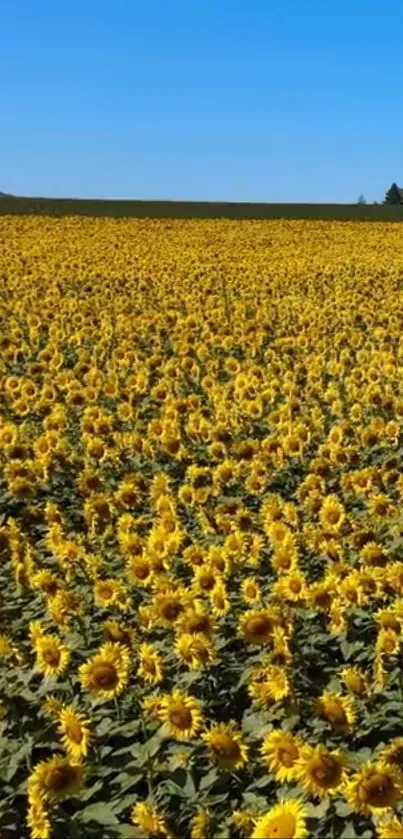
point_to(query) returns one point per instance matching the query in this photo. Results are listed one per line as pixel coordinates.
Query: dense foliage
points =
(201, 529)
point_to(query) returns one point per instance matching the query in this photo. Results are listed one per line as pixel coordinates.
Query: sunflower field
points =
(201, 529)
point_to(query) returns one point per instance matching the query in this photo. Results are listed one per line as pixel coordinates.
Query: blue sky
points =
(237, 100)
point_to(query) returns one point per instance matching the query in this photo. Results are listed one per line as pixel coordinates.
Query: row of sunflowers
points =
(201, 529)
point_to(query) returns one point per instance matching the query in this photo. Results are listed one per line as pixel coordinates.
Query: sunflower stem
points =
(401, 676)
(149, 775)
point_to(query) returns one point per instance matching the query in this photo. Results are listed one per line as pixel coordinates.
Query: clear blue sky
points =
(249, 100)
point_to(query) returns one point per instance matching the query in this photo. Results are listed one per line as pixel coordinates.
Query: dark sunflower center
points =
(181, 717)
(335, 713)
(259, 626)
(207, 582)
(288, 755)
(326, 772)
(105, 590)
(171, 610)
(396, 758)
(226, 747)
(60, 778)
(105, 676)
(74, 732)
(51, 657)
(142, 571)
(198, 624)
(377, 791)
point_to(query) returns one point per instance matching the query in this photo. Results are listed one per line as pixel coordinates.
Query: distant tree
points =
(393, 195)
(362, 200)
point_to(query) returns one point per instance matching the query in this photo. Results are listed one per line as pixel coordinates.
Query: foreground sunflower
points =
(286, 820)
(194, 650)
(256, 626)
(199, 826)
(38, 820)
(392, 755)
(150, 664)
(227, 746)
(181, 715)
(106, 675)
(337, 710)
(374, 788)
(332, 514)
(146, 818)
(355, 680)
(320, 771)
(268, 685)
(55, 779)
(243, 822)
(390, 828)
(280, 751)
(75, 732)
(52, 656)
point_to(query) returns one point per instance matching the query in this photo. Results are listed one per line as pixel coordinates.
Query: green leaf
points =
(125, 781)
(349, 832)
(92, 790)
(126, 830)
(100, 813)
(342, 809)
(261, 782)
(208, 780)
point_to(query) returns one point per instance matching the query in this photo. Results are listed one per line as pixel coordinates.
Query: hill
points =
(120, 208)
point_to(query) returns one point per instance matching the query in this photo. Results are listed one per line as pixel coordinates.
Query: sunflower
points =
(355, 680)
(375, 787)
(220, 603)
(194, 650)
(205, 579)
(285, 558)
(390, 828)
(38, 820)
(243, 822)
(139, 570)
(119, 632)
(269, 684)
(291, 587)
(196, 621)
(106, 675)
(108, 593)
(320, 771)
(169, 606)
(387, 643)
(55, 779)
(374, 555)
(336, 709)
(181, 715)
(46, 582)
(250, 589)
(199, 826)
(76, 733)
(256, 626)
(332, 514)
(226, 745)
(286, 820)
(280, 751)
(150, 665)
(52, 657)
(389, 619)
(146, 818)
(52, 706)
(392, 755)
(278, 534)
